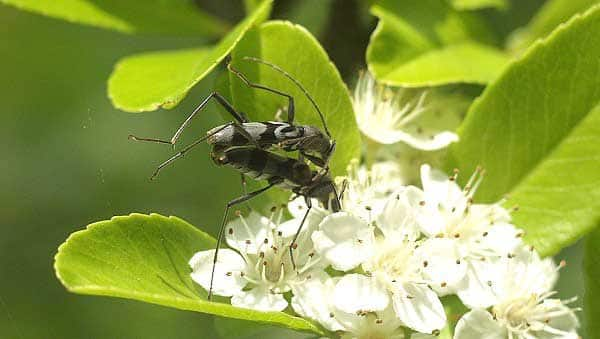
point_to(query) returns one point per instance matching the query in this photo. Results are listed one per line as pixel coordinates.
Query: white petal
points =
(567, 323)
(399, 215)
(478, 289)
(423, 336)
(304, 248)
(344, 240)
(383, 324)
(523, 275)
(227, 280)
(297, 208)
(247, 234)
(478, 324)
(566, 335)
(260, 299)
(290, 227)
(418, 307)
(368, 190)
(502, 238)
(442, 264)
(356, 292)
(490, 213)
(312, 300)
(438, 186)
(539, 275)
(423, 141)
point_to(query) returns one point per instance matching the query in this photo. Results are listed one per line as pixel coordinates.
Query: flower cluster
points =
(382, 264)
(394, 256)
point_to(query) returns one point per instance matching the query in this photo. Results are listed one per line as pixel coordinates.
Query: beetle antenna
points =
(297, 83)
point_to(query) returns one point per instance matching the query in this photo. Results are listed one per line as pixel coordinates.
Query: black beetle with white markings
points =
(243, 145)
(309, 141)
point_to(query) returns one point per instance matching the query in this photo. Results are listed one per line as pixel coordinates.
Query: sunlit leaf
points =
(245, 329)
(478, 4)
(423, 43)
(465, 62)
(149, 81)
(145, 258)
(150, 16)
(536, 131)
(552, 13)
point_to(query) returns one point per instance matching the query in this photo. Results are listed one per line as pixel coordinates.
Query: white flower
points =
(393, 263)
(523, 306)
(389, 116)
(297, 208)
(315, 300)
(257, 275)
(366, 191)
(474, 235)
(344, 240)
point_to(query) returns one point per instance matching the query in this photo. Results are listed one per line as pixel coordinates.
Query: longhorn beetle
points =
(284, 172)
(308, 140)
(242, 145)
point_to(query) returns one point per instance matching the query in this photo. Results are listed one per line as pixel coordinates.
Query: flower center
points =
(515, 313)
(530, 313)
(273, 266)
(392, 261)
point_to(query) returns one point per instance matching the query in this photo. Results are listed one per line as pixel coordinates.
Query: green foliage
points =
(312, 14)
(244, 329)
(423, 43)
(154, 80)
(275, 42)
(592, 284)
(144, 257)
(150, 16)
(553, 13)
(250, 5)
(478, 4)
(535, 131)
(454, 311)
(465, 62)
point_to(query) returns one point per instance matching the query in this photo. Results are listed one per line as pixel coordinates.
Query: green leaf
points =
(430, 38)
(244, 329)
(591, 262)
(295, 50)
(478, 4)
(149, 16)
(552, 13)
(149, 81)
(536, 132)
(144, 257)
(454, 63)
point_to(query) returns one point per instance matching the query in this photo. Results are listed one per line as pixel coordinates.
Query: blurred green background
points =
(67, 162)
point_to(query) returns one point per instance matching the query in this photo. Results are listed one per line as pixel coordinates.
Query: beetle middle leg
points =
(293, 245)
(230, 204)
